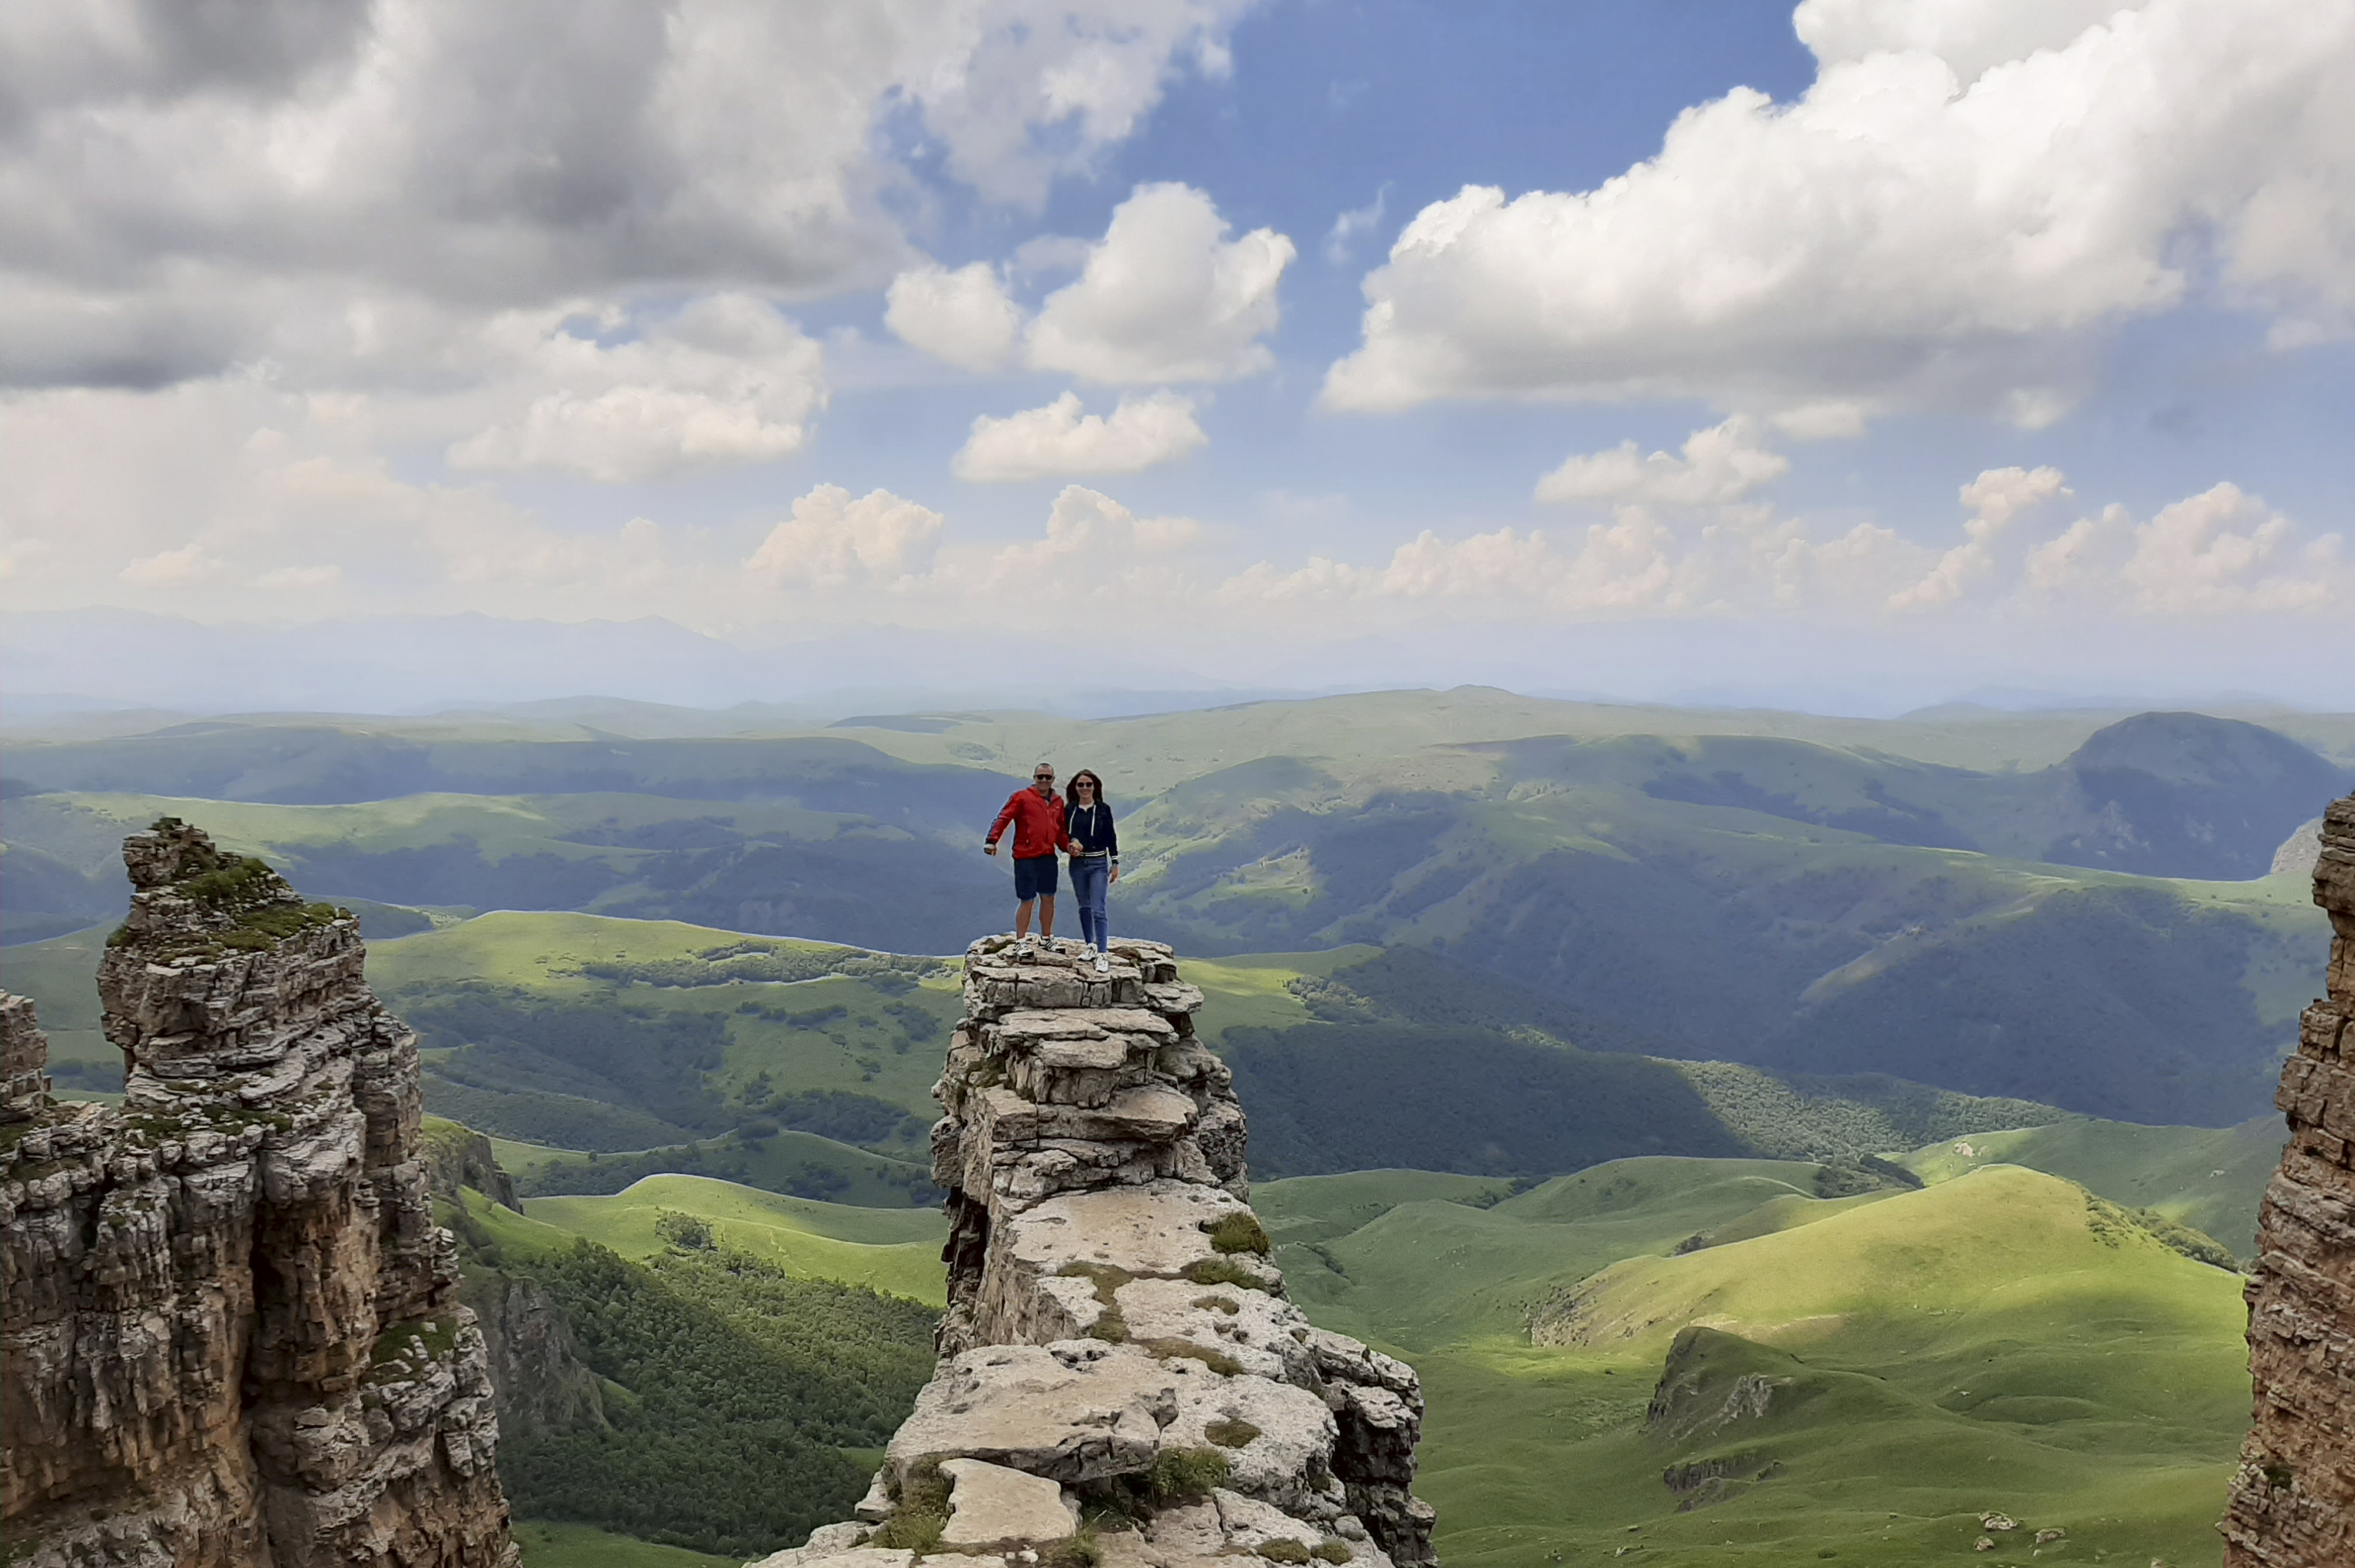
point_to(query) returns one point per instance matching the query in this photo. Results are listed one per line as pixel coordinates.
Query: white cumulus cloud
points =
(1165, 296)
(1058, 438)
(1094, 546)
(1721, 464)
(2221, 551)
(725, 380)
(833, 539)
(1995, 499)
(963, 316)
(1970, 193)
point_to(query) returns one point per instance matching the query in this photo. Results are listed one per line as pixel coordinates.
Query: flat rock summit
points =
(1121, 1380)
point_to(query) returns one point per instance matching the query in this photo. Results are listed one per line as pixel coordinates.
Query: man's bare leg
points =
(1046, 917)
(1022, 918)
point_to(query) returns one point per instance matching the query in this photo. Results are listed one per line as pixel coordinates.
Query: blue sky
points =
(2010, 341)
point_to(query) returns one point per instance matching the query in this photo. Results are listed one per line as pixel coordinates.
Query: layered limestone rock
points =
(2293, 1502)
(1118, 1358)
(232, 1333)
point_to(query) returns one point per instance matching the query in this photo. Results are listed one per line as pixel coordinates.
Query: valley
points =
(1990, 906)
(1774, 1139)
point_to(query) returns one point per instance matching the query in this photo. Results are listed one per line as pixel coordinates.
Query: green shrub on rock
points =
(1185, 1475)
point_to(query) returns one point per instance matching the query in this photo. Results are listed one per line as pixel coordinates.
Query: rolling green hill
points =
(1827, 896)
(897, 1251)
(603, 1051)
(1895, 1363)
(2209, 1178)
(1858, 1379)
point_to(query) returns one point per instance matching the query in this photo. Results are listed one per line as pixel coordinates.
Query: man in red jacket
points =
(1037, 814)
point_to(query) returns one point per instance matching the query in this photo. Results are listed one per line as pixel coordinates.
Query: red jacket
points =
(1037, 823)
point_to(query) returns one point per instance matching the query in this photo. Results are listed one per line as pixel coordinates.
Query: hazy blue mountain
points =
(2183, 795)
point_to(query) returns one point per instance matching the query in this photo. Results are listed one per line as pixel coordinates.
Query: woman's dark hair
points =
(1089, 774)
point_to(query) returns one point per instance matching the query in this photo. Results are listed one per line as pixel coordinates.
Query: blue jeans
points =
(1090, 881)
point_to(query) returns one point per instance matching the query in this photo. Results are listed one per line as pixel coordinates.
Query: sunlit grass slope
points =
(896, 1250)
(1995, 1342)
(1430, 1268)
(2211, 1179)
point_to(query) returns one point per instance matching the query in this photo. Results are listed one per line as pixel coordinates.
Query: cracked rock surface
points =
(1115, 1330)
(230, 1326)
(2293, 1502)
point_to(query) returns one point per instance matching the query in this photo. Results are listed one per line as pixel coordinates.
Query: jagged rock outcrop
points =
(2293, 1502)
(24, 1061)
(231, 1331)
(538, 1378)
(457, 1156)
(1118, 1356)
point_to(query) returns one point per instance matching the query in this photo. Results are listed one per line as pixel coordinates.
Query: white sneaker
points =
(1104, 963)
(1022, 948)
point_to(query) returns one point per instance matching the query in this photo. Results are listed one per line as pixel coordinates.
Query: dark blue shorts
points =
(1033, 877)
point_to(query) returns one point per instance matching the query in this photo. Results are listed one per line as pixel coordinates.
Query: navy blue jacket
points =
(1091, 828)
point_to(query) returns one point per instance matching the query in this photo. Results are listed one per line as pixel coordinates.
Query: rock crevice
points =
(232, 1332)
(2293, 1503)
(1117, 1343)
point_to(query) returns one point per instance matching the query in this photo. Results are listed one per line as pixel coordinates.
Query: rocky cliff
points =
(1121, 1380)
(2293, 1502)
(230, 1328)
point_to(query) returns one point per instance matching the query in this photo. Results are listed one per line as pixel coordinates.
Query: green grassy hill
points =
(601, 1050)
(2209, 1178)
(896, 1250)
(1857, 1378)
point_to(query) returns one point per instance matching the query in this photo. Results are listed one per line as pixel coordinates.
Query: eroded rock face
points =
(2293, 1502)
(1113, 1327)
(232, 1333)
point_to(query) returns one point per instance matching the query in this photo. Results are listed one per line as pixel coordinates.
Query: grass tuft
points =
(1223, 1271)
(1185, 1475)
(1219, 1361)
(1230, 1432)
(1241, 1233)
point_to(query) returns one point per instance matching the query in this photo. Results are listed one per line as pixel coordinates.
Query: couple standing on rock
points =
(1082, 827)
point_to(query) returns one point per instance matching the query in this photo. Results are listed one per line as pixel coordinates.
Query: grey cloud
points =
(60, 51)
(177, 172)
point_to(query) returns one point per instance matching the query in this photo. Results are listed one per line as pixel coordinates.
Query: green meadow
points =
(1994, 1342)
(2211, 1179)
(895, 1250)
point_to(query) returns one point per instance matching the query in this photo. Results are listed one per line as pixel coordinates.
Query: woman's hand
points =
(1115, 876)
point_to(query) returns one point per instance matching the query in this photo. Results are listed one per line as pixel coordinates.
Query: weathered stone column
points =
(24, 1061)
(2293, 1502)
(1118, 1357)
(230, 1328)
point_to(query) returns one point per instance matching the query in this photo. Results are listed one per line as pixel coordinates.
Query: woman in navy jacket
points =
(1094, 843)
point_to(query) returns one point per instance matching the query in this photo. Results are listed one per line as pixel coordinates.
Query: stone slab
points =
(1076, 1411)
(1156, 1228)
(990, 1503)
